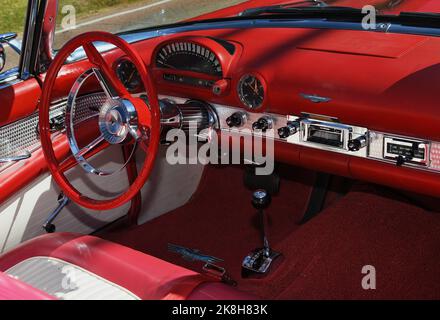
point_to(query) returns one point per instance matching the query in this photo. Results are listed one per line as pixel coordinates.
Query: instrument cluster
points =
(199, 63)
(189, 56)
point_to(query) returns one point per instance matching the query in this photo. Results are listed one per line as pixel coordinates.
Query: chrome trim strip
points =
(9, 78)
(25, 155)
(315, 98)
(28, 40)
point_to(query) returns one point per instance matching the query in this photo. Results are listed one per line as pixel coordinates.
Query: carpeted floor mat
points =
(323, 259)
(220, 219)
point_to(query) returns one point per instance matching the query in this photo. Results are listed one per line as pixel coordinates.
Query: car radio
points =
(332, 134)
(406, 150)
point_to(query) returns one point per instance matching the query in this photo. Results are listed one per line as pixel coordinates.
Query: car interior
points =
(260, 150)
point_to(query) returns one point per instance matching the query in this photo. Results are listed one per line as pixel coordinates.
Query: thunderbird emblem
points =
(193, 254)
(314, 98)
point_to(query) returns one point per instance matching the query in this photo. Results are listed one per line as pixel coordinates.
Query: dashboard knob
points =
(237, 119)
(260, 199)
(290, 129)
(220, 87)
(358, 143)
(263, 124)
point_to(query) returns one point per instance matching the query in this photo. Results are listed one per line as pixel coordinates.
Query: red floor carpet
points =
(323, 259)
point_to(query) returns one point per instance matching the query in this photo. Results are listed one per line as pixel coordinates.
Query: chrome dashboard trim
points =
(372, 151)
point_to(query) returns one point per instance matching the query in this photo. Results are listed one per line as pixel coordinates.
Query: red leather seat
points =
(136, 273)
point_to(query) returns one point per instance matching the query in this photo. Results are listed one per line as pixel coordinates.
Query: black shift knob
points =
(260, 199)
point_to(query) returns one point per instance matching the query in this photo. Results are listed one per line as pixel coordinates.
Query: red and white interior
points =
(115, 230)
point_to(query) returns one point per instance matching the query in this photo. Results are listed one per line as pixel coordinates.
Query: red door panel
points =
(18, 100)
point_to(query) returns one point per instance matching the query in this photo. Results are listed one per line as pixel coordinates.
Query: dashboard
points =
(273, 98)
(329, 105)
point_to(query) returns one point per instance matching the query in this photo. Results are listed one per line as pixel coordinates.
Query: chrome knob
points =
(263, 124)
(237, 119)
(260, 199)
(358, 143)
(290, 129)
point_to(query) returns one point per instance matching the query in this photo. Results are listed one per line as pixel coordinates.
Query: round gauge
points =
(251, 91)
(128, 75)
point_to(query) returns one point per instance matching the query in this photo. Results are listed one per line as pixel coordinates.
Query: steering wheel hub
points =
(116, 121)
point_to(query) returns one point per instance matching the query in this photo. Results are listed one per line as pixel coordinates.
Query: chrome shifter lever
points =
(258, 262)
(63, 201)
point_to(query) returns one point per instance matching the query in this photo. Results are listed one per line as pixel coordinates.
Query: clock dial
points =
(251, 91)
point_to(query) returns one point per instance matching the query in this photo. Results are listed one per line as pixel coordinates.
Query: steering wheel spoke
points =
(106, 76)
(93, 148)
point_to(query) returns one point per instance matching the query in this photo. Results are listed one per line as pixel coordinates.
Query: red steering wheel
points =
(126, 116)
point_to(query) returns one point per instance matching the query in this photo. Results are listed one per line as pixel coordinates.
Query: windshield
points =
(78, 16)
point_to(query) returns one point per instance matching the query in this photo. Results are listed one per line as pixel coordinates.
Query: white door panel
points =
(22, 217)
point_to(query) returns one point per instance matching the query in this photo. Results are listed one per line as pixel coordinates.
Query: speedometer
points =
(189, 56)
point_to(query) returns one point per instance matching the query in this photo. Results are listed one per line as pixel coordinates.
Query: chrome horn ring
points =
(116, 119)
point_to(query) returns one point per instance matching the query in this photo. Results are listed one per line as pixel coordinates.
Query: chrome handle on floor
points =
(26, 155)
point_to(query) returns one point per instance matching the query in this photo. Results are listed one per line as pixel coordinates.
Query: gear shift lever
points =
(261, 200)
(260, 260)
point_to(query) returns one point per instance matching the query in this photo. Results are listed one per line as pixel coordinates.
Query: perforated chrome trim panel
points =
(67, 281)
(23, 134)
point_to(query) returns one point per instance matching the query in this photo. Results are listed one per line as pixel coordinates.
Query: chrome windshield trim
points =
(134, 37)
(28, 40)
